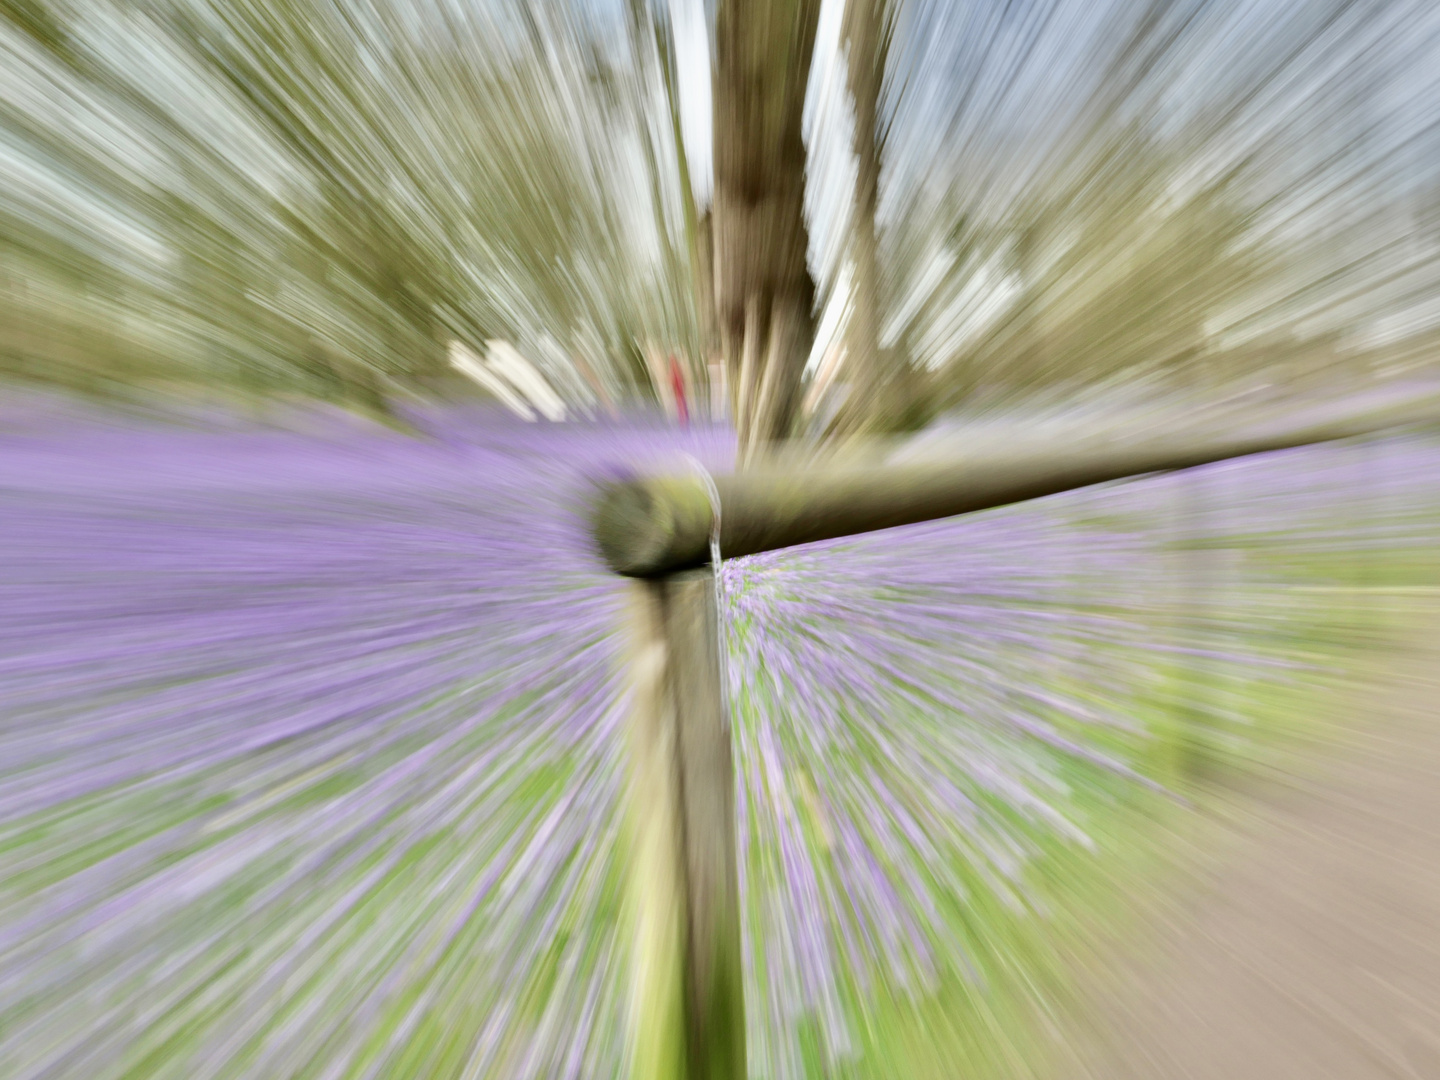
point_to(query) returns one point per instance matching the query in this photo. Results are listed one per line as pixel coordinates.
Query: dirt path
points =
(1315, 953)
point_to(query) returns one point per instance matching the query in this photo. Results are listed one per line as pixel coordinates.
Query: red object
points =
(677, 384)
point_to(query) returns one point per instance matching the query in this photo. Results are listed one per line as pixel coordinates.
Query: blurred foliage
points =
(316, 197)
(1109, 273)
(1176, 193)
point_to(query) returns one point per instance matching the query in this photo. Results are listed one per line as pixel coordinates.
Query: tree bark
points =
(867, 44)
(764, 294)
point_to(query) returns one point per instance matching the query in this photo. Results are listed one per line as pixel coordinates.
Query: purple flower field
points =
(309, 764)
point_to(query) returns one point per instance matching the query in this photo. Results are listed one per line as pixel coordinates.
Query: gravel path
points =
(1316, 953)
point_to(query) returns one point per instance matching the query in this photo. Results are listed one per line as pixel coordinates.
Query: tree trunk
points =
(764, 295)
(867, 44)
(703, 250)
